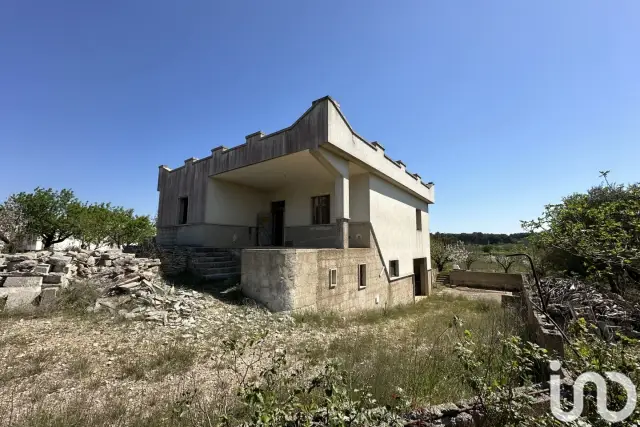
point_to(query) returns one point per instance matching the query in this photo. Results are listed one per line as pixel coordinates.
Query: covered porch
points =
(299, 200)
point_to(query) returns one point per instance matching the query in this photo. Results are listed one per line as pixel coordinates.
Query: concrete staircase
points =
(214, 264)
(442, 280)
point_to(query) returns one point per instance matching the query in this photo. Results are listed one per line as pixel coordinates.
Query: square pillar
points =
(341, 209)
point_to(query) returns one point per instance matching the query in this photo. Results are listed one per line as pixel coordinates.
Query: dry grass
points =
(417, 353)
(76, 370)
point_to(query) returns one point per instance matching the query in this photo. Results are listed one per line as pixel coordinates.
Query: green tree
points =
(48, 214)
(12, 224)
(138, 229)
(601, 228)
(125, 228)
(92, 223)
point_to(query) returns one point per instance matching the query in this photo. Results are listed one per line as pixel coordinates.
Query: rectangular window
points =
(320, 210)
(418, 219)
(394, 270)
(362, 276)
(333, 277)
(183, 210)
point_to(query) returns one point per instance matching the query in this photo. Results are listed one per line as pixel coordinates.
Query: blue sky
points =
(505, 105)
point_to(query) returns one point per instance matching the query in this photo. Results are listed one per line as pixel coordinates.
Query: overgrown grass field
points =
(70, 368)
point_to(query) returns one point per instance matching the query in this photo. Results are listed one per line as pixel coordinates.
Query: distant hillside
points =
(479, 238)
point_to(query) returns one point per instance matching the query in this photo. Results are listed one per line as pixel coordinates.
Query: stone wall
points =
(299, 279)
(481, 280)
(542, 331)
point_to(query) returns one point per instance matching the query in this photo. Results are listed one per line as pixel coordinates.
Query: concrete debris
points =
(137, 298)
(568, 299)
(47, 270)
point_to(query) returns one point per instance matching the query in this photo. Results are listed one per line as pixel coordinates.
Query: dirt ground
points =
(49, 361)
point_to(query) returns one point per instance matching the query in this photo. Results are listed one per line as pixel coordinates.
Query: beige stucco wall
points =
(297, 200)
(393, 217)
(359, 198)
(233, 204)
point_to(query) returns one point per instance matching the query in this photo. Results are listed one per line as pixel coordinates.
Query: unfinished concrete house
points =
(312, 217)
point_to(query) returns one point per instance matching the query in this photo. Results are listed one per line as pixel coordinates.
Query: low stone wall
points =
(311, 236)
(175, 260)
(299, 279)
(481, 280)
(542, 331)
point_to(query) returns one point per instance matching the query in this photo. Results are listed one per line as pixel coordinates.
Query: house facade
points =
(322, 218)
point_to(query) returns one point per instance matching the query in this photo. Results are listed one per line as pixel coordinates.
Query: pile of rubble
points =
(568, 299)
(36, 277)
(138, 298)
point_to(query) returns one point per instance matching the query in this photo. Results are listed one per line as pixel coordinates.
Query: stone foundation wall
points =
(175, 260)
(298, 279)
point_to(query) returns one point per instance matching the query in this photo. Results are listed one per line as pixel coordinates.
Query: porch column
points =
(342, 211)
(339, 168)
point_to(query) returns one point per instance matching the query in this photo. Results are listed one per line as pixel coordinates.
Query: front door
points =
(418, 276)
(277, 215)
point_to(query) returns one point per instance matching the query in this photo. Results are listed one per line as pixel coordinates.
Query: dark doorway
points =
(277, 214)
(419, 279)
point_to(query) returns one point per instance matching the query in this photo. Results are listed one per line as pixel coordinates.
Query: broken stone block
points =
(42, 268)
(48, 295)
(26, 265)
(23, 282)
(16, 298)
(54, 278)
(131, 268)
(59, 261)
(21, 257)
(90, 261)
(82, 257)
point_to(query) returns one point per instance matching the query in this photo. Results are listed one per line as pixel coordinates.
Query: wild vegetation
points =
(55, 216)
(238, 364)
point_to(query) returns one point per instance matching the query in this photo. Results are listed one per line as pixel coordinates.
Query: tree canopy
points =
(600, 229)
(55, 216)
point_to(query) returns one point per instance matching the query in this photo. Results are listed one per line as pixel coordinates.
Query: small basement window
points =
(394, 270)
(320, 210)
(362, 276)
(183, 210)
(418, 219)
(333, 277)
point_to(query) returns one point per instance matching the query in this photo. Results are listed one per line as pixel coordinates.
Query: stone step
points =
(217, 258)
(214, 264)
(219, 276)
(205, 271)
(209, 250)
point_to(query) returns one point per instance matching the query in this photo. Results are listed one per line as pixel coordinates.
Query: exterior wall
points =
(359, 234)
(393, 217)
(297, 201)
(311, 236)
(346, 295)
(359, 198)
(232, 204)
(477, 279)
(269, 276)
(214, 235)
(298, 279)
